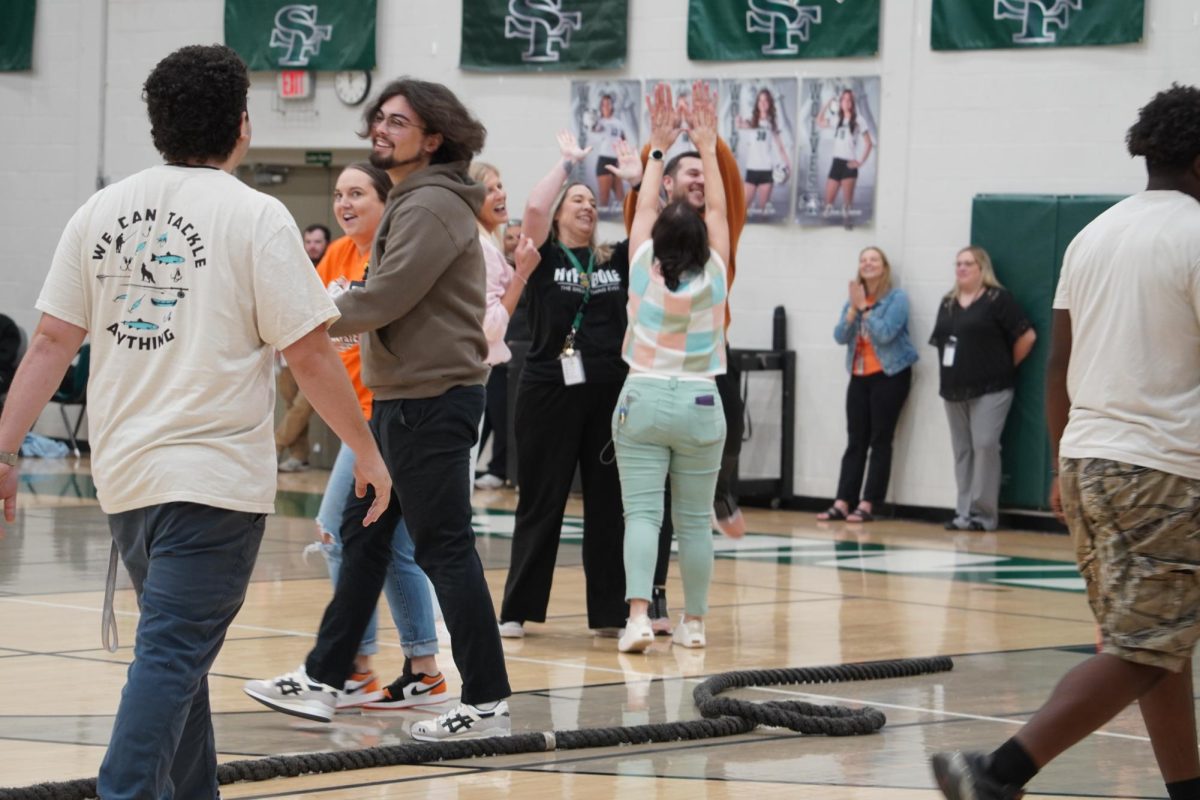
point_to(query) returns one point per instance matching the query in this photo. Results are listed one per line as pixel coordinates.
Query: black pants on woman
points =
(873, 404)
(558, 427)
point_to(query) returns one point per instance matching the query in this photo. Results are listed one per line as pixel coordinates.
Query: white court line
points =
(922, 710)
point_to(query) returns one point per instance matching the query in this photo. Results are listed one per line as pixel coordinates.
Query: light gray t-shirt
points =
(186, 280)
(1131, 281)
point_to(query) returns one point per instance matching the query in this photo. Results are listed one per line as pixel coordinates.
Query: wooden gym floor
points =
(1008, 607)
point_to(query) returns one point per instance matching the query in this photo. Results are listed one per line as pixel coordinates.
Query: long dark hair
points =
(680, 242)
(754, 118)
(853, 111)
(442, 112)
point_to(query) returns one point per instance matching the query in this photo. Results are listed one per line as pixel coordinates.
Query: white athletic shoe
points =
(465, 722)
(297, 694)
(689, 633)
(637, 636)
(512, 630)
(489, 481)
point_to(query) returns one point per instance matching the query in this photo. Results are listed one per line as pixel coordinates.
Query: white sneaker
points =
(292, 465)
(689, 633)
(512, 630)
(638, 635)
(465, 722)
(607, 633)
(297, 694)
(489, 481)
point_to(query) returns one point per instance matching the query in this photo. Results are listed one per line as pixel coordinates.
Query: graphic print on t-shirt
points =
(144, 262)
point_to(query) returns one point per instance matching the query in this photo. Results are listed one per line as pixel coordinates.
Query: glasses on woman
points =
(393, 123)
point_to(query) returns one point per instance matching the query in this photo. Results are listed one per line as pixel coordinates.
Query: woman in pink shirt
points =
(504, 284)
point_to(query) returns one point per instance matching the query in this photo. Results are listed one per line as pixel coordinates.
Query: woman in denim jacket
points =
(879, 358)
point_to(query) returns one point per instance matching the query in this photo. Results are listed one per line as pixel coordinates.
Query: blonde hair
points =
(984, 261)
(479, 171)
(603, 251)
(885, 282)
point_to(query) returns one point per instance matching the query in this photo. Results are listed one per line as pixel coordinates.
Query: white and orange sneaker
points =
(360, 688)
(409, 691)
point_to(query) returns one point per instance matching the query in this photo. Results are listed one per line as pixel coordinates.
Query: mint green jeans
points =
(669, 429)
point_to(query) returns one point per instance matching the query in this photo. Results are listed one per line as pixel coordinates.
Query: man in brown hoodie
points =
(420, 317)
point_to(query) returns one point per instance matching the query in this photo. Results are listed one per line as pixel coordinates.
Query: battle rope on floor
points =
(721, 716)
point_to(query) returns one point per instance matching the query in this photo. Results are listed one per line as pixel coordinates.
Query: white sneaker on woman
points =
(689, 633)
(637, 636)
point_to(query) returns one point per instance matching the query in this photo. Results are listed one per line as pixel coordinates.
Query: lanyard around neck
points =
(585, 277)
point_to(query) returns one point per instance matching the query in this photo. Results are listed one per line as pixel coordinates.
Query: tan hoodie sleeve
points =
(417, 250)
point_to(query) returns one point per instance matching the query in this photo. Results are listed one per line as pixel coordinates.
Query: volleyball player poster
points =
(758, 119)
(602, 114)
(839, 151)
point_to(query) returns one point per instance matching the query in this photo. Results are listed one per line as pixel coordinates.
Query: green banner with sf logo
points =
(537, 35)
(978, 25)
(761, 30)
(322, 36)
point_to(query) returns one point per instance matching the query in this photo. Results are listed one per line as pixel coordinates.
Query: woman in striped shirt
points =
(669, 420)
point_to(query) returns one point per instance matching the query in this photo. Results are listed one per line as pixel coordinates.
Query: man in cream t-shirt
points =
(186, 280)
(1123, 411)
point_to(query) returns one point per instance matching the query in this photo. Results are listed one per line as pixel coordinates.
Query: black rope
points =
(720, 716)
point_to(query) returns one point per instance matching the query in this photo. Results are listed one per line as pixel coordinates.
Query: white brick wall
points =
(952, 125)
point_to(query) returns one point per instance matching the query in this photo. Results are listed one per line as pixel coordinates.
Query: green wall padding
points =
(1026, 236)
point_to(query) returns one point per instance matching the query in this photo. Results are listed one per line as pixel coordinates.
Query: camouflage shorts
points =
(1136, 532)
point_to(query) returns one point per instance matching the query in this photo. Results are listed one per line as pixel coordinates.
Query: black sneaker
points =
(964, 776)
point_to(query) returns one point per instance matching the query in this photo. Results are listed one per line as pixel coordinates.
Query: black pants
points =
(729, 386)
(873, 405)
(427, 446)
(558, 427)
(495, 421)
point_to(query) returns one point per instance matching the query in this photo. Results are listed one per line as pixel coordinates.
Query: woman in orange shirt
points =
(879, 357)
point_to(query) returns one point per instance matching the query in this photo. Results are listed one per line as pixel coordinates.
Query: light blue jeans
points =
(669, 428)
(408, 591)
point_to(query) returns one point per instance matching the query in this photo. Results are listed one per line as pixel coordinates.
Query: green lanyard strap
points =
(585, 277)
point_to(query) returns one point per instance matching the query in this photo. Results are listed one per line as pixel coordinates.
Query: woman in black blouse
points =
(981, 335)
(569, 387)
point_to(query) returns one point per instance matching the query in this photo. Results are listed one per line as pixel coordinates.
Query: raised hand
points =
(629, 164)
(665, 123)
(526, 257)
(568, 145)
(858, 296)
(702, 116)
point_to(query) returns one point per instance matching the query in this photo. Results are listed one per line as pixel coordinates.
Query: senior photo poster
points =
(602, 114)
(839, 150)
(758, 120)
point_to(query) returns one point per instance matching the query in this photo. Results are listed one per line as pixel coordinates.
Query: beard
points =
(387, 161)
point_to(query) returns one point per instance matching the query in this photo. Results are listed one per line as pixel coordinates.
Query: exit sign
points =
(295, 84)
(320, 158)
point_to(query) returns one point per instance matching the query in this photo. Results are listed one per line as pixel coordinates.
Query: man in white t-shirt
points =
(1123, 410)
(186, 280)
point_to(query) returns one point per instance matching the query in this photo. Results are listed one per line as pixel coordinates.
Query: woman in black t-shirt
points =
(569, 387)
(981, 335)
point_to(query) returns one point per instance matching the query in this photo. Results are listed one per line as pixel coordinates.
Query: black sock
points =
(1011, 764)
(1184, 790)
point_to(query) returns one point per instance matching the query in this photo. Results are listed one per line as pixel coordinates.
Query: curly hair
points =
(441, 111)
(1167, 132)
(195, 98)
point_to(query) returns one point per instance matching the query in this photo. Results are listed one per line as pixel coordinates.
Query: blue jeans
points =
(409, 593)
(190, 565)
(676, 429)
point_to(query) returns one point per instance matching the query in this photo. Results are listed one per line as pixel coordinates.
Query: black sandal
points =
(832, 514)
(862, 514)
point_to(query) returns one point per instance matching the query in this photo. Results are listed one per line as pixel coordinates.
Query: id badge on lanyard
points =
(948, 351)
(570, 358)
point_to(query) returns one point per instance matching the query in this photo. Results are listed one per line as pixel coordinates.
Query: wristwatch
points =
(657, 154)
(9, 458)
